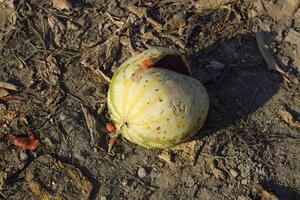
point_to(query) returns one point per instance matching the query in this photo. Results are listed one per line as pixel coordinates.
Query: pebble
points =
(142, 172)
(124, 182)
(234, 172)
(244, 182)
(103, 198)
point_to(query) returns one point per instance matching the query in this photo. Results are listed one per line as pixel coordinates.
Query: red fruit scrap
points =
(111, 127)
(148, 63)
(25, 141)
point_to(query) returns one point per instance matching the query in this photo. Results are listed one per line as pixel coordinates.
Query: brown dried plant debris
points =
(62, 4)
(8, 86)
(58, 29)
(3, 93)
(49, 70)
(92, 124)
(288, 118)
(203, 6)
(141, 12)
(91, 64)
(53, 97)
(8, 17)
(266, 54)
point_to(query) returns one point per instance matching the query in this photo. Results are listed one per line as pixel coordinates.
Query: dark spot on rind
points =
(156, 89)
(158, 128)
(160, 99)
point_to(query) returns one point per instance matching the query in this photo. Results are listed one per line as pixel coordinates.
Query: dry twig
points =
(8, 86)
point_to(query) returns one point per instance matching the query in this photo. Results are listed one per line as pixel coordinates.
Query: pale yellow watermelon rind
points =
(133, 63)
(118, 119)
(149, 143)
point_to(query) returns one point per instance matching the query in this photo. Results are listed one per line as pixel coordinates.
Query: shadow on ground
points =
(238, 88)
(282, 192)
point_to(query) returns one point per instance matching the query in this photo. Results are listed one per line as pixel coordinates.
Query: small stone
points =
(22, 156)
(259, 165)
(244, 182)
(142, 172)
(234, 172)
(62, 116)
(253, 13)
(293, 37)
(124, 182)
(123, 157)
(103, 198)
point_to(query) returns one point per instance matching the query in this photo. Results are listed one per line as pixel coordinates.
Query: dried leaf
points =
(62, 4)
(177, 41)
(8, 86)
(23, 120)
(267, 196)
(181, 26)
(190, 27)
(269, 59)
(54, 98)
(49, 70)
(10, 115)
(113, 48)
(141, 12)
(7, 17)
(218, 173)
(288, 118)
(25, 141)
(3, 92)
(58, 29)
(91, 123)
(91, 64)
(138, 11)
(204, 5)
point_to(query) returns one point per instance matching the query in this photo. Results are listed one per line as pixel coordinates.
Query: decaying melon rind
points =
(162, 109)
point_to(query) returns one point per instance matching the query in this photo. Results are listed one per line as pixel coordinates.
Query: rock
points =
(49, 178)
(244, 182)
(142, 172)
(124, 182)
(234, 172)
(103, 198)
(293, 37)
(242, 198)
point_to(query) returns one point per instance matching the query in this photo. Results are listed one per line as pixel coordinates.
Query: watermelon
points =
(154, 101)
